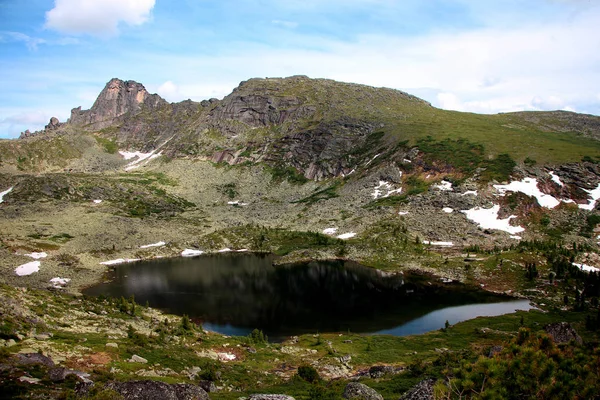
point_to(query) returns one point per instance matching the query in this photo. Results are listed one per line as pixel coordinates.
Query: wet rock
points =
(421, 391)
(153, 390)
(562, 332)
(355, 390)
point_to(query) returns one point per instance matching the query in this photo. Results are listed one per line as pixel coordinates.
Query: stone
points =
(34, 358)
(29, 379)
(53, 124)
(10, 343)
(355, 390)
(421, 391)
(112, 345)
(59, 374)
(208, 386)
(270, 397)
(137, 359)
(43, 336)
(495, 350)
(378, 371)
(154, 390)
(562, 332)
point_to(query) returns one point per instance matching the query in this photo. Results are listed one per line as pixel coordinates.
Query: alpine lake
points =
(235, 293)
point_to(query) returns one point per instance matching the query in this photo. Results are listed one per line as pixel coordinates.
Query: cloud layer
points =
(97, 17)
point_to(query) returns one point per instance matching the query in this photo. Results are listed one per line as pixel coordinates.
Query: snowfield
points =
(28, 269)
(346, 235)
(487, 218)
(120, 261)
(2, 194)
(191, 253)
(157, 244)
(330, 231)
(386, 187)
(529, 187)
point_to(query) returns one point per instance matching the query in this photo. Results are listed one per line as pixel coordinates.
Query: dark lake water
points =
(235, 293)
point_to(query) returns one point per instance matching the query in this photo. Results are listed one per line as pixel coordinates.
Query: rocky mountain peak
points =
(118, 98)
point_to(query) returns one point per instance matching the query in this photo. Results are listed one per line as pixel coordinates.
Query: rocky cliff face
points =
(118, 98)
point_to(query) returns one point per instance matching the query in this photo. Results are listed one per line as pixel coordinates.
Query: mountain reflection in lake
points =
(234, 294)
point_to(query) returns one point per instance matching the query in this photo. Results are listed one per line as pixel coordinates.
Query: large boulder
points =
(421, 391)
(153, 390)
(562, 332)
(355, 390)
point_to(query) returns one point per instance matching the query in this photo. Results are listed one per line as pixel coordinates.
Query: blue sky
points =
(468, 55)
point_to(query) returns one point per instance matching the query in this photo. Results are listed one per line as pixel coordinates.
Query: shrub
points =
(308, 373)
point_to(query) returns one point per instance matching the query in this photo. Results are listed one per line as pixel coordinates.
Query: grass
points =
(110, 146)
(329, 192)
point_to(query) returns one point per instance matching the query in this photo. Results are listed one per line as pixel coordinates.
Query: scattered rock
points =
(153, 390)
(43, 336)
(59, 374)
(355, 390)
(270, 397)
(562, 332)
(10, 343)
(137, 359)
(112, 345)
(421, 391)
(29, 379)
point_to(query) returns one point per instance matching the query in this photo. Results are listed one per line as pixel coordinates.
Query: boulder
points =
(355, 390)
(137, 359)
(53, 124)
(562, 332)
(421, 391)
(208, 386)
(153, 390)
(378, 371)
(34, 358)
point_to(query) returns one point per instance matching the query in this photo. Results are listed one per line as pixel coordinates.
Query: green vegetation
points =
(228, 189)
(329, 192)
(110, 146)
(290, 174)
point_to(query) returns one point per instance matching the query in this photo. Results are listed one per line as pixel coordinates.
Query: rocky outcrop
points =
(355, 390)
(270, 397)
(421, 391)
(562, 332)
(118, 98)
(54, 124)
(153, 390)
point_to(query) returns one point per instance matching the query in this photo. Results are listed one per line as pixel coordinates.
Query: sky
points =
(467, 55)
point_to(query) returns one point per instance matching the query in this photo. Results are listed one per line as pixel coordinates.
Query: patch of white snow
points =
(346, 235)
(372, 159)
(120, 261)
(470, 192)
(28, 269)
(487, 218)
(59, 282)
(191, 253)
(447, 210)
(444, 186)
(37, 256)
(556, 178)
(236, 203)
(330, 231)
(402, 212)
(2, 194)
(587, 268)
(595, 195)
(529, 187)
(226, 356)
(516, 237)
(441, 244)
(225, 250)
(388, 187)
(157, 244)
(97, 201)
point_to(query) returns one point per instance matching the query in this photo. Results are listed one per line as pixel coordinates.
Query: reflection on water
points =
(234, 294)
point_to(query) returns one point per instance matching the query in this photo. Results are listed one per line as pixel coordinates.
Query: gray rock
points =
(112, 345)
(378, 371)
(59, 374)
(10, 343)
(153, 390)
(421, 391)
(208, 386)
(34, 358)
(53, 124)
(495, 350)
(270, 397)
(137, 359)
(562, 332)
(355, 390)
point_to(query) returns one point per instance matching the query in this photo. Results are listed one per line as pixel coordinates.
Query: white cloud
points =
(97, 17)
(31, 42)
(285, 24)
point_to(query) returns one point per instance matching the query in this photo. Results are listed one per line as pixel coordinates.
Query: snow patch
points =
(441, 244)
(58, 283)
(236, 203)
(470, 192)
(191, 253)
(97, 201)
(330, 231)
(120, 261)
(406, 160)
(402, 212)
(2, 194)
(556, 178)
(37, 256)
(587, 268)
(529, 187)
(225, 250)
(516, 237)
(487, 218)
(28, 269)
(447, 210)
(444, 186)
(384, 186)
(595, 195)
(226, 356)
(372, 159)
(157, 244)
(346, 235)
